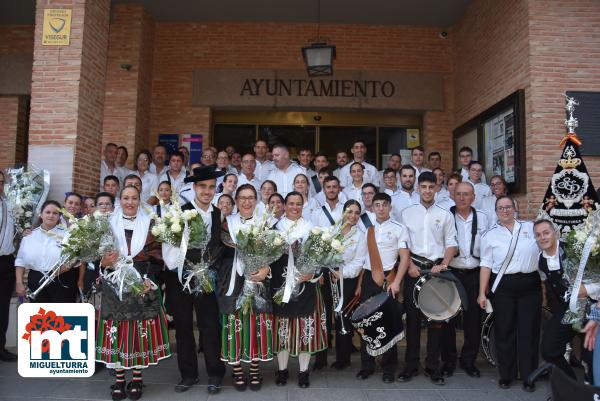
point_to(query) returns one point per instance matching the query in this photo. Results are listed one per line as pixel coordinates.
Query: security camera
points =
(317, 118)
(443, 34)
(126, 66)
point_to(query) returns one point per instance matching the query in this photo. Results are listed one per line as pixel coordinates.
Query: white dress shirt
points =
(390, 236)
(442, 194)
(254, 181)
(284, 179)
(319, 218)
(321, 200)
(149, 185)
(495, 244)
(154, 170)
(40, 250)
(431, 230)
(418, 170)
(176, 182)
(352, 192)
(186, 193)
(481, 191)
(446, 203)
(372, 217)
(354, 253)
(263, 169)
(7, 235)
(106, 171)
(401, 200)
(371, 175)
(464, 260)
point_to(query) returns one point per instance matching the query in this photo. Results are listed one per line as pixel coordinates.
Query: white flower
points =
(161, 227)
(326, 236)
(580, 236)
(316, 230)
(255, 230)
(188, 214)
(336, 245)
(168, 215)
(175, 221)
(175, 227)
(97, 214)
(277, 241)
(28, 214)
(156, 230)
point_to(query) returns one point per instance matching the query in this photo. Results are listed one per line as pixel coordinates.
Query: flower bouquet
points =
(87, 239)
(322, 248)
(180, 230)
(124, 278)
(257, 245)
(582, 246)
(26, 190)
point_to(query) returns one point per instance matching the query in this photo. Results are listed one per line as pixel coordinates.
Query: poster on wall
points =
(169, 141)
(499, 136)
(193, 143)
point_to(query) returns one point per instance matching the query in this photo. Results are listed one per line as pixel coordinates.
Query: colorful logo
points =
(56, 340)
(57, 24)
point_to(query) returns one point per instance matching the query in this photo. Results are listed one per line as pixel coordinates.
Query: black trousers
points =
(389, 359)
(343, 342)
(182, 305)
(7, 287)
(413, 332)
(62, 289)
(471, 323)
(554, 341)
(321, 357)
(517, 306)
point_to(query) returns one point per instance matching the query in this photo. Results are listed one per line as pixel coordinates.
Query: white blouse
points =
(354, 254)
(495, 244)
(40, 250)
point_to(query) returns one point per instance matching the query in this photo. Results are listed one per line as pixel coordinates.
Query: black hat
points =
(204, 173)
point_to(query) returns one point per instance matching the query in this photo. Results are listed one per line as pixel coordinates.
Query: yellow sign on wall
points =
(57, 27)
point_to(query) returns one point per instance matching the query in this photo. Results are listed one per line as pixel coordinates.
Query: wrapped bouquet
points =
(124, 278)
(257, 245)
(322, 248)
(180, 230)
(26, 190)
(582, 248)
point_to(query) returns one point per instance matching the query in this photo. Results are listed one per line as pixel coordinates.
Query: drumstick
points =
(437, 294)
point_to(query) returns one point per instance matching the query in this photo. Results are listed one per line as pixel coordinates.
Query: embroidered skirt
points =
(246, 337)
(132, 344)
(302, 334)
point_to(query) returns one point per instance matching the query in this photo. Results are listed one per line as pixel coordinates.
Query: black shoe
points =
(529, 387)
(255, 380)
(471, 370)
(303, 380)
(407, 375)
(319, 365)
(214, 385)
(504, 384)
(447, 370)
(281, 377)
(185, 384)
(99, 367)
(387, 377)
(339, 365)
(6, 356)
(364, 374)
(134, 390)
(435, 376)
(117, 391)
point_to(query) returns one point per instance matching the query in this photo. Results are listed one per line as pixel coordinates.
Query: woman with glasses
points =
(488, 203)
(149, 180)
(509, 278)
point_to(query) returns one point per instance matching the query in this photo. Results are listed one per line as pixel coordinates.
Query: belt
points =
(423, 262)
(464, 270)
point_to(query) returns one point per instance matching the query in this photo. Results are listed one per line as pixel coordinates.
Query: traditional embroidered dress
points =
(132, 333)
(245, 337)
(300, 324)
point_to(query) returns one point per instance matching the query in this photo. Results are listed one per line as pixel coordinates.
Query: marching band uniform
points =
(389, 236)
(465, 266)
(7, 272)
(401, 200)
(300, 325)
(371, 174)
(183, 304)
(431, 231)
(517, 301)
(284, 179)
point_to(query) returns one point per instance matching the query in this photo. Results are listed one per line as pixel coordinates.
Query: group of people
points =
(401, 223)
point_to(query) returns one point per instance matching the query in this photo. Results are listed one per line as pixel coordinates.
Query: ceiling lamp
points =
(319, 56)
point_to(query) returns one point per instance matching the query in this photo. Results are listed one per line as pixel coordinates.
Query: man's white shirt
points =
(401, 200)
(371, 175)
(465, 260)
(390, 237)
(285, 179)
(431, 230)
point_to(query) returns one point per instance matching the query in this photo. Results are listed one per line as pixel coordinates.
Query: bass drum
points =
(488, 336)
(437, 298)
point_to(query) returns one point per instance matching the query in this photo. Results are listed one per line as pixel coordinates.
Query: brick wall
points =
(127, 104)
(16, 56)
(180, 48)
(13, 124)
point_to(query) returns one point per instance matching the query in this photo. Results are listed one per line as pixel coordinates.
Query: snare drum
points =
(488, 340)
(438, 298)
(379, 322)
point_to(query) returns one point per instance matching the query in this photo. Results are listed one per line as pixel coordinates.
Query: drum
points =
(437, 297)
(488, 340)
(379, 322)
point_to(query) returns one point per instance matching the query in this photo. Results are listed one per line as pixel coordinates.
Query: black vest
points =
(556, 283)
(214, 247)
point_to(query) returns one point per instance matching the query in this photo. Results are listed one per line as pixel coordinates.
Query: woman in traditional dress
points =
(354, 260)
(245, 335)
(132, 332)
(300, 327)
(164, 193)
(38, 253)
(302, 186)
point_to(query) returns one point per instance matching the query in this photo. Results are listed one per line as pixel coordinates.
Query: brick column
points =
(67, 98)
(128, 92)
(13, 130)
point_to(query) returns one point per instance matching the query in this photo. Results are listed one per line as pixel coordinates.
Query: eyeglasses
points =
(505, 208)
(104, 205)
(246, 199)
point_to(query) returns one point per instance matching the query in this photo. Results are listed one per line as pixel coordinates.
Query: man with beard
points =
(407, 195)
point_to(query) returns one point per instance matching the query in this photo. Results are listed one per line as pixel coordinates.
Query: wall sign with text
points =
(57, 27)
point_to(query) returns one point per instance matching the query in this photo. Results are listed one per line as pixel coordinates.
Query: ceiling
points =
(439, 13)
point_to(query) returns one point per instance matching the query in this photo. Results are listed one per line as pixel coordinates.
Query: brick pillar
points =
(67, 98)
(128, 92)
(13, 130)
(437, 127)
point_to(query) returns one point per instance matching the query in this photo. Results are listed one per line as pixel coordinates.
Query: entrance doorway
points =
(328, 133)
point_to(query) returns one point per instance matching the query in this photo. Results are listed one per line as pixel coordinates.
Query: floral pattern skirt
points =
(132, 344)
(302, 334)
(246, 337)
